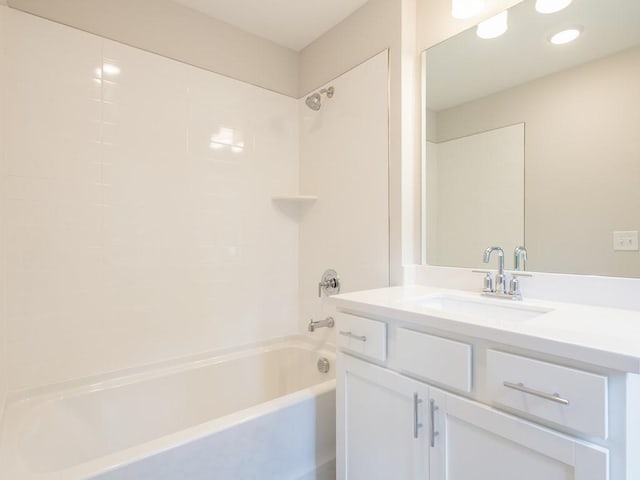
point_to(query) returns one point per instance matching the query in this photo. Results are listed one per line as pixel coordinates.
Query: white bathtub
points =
(260, 413)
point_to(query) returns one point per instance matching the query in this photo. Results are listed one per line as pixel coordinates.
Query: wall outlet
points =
(625, 241)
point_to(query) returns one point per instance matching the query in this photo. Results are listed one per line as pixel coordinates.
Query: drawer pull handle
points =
(547, 396)
(361, 338)
(432, 420)
(416, 425)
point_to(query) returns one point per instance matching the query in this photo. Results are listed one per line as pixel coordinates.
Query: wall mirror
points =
(534, 139)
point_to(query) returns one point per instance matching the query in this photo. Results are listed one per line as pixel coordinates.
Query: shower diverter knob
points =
(330, 282)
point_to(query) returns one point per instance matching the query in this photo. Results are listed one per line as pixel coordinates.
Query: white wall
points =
(174, 31)
(344, 161)
(129, 239)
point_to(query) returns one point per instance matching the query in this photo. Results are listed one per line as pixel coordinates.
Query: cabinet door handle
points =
(416, 425)
(361, 338)
(553, 397)
(432, 420)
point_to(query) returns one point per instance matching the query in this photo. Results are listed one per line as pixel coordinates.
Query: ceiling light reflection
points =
(551, 6)
(493, 27)
(566, 36)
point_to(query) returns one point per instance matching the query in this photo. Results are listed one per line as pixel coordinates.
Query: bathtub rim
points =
(24, 401)
(151, 370)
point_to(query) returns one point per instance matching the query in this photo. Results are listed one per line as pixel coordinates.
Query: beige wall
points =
(3, 303)
(368, 31)
(582, 161)
(169, 29)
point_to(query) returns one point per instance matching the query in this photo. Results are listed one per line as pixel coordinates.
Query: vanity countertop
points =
(606, 337)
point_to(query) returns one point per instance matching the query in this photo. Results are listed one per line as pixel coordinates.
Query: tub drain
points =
(323, 365)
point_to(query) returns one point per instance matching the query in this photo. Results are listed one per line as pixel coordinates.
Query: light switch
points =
(625, 241)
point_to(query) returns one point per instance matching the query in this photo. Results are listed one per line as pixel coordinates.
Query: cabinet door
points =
(475, 442)
(382, 423)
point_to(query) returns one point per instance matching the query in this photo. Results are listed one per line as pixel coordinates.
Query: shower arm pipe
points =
(328, 91)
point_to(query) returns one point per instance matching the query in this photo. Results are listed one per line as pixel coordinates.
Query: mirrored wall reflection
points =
(476, 192)
(577, 105)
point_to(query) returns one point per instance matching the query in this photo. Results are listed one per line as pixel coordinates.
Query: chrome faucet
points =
(500, 281)
(519, 258)
(499, 288)
(327, 322)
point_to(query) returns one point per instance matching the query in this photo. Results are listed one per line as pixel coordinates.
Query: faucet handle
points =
(520, 256)
(330, 283)
(487, 282)
(514, 287)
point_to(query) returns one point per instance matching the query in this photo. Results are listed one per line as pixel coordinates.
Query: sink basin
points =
(490, 309)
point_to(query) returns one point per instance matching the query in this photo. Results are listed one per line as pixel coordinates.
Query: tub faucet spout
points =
(327, 322)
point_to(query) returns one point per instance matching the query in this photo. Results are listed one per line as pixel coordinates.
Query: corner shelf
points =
(295, 198)
(294, 206)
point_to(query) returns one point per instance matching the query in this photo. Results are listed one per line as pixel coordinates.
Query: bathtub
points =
(264, 412)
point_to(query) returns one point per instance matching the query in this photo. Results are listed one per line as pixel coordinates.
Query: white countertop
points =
(606, 337)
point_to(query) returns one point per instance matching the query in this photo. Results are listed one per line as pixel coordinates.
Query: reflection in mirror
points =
(475, 188)
(568, 115)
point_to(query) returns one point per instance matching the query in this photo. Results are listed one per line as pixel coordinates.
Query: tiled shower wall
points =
(344, 160)
(137, 216)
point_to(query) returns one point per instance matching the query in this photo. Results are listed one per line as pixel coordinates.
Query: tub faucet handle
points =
(330, 282)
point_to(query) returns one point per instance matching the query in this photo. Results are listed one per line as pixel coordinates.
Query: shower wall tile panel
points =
(344, 159)
(137, 217)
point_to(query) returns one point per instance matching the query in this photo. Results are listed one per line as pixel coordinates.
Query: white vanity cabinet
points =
(472, 441)
(404, 419)
(384, 419)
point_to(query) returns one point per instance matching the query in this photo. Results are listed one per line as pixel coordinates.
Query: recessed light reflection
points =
(566, 36)
(551, 6)
(493, 27)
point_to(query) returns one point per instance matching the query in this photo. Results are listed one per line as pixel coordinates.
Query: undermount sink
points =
(480, 307)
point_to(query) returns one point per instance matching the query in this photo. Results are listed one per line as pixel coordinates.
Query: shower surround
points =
(137, 220)
(136, 196)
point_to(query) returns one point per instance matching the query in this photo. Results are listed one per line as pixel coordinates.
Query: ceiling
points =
(291, 23)
(465, 67)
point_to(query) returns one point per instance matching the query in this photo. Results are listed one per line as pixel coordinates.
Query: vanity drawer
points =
(362, 335)
(435, 359)
(571, 398)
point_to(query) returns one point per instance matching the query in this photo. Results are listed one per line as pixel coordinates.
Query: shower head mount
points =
(314, 101)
